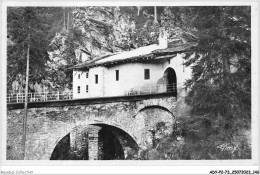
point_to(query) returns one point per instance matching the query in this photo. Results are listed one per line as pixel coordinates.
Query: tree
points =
(22, 23)
(220, 87)
(27, 32)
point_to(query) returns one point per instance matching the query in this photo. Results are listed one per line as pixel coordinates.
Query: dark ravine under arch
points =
(113, 143)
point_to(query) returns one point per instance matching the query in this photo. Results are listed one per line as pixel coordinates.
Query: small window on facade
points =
(78, 76)
(78, 89)
(86, 88)
(117, 75)
(147, 74)
(96, 79)
(86, 74)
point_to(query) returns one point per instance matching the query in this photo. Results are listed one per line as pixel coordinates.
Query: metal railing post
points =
(58, 95)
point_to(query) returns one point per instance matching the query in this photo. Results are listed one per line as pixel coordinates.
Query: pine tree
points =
(27, 33)
(26, 27)
(220, 87)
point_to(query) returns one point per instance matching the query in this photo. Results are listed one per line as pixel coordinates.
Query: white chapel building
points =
(157, 68)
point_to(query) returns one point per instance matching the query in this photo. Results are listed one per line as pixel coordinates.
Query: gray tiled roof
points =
(149, 57)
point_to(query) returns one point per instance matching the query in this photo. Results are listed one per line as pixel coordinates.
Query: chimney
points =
(163, 36)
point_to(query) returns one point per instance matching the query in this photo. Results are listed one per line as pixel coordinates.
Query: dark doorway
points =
(171, 80)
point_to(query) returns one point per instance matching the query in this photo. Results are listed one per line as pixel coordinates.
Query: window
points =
(96, 79)
(117, 75)
(86, 88)
(78, 76)
(86, 74)
(147, 74)
(78, 89)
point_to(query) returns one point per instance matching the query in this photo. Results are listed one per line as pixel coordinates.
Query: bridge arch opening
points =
(95, 141)
(170, 80)
(156, 119)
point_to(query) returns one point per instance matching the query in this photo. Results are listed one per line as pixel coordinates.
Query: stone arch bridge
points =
(93, 128)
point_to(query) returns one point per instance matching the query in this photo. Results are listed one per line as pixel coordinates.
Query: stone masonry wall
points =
(47, 126)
